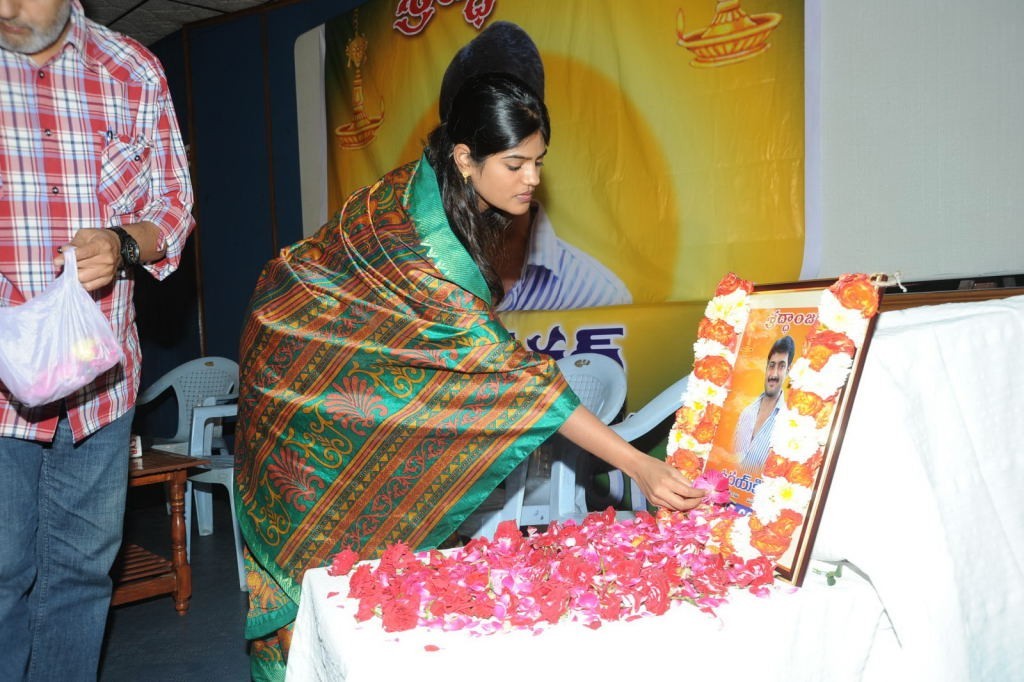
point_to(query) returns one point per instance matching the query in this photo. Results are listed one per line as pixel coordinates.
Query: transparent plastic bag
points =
(55, 343)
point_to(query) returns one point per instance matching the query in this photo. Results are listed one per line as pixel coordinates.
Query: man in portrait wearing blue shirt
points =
(752, 438)
(555, 275)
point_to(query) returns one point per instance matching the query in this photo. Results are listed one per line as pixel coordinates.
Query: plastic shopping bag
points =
(55, 343)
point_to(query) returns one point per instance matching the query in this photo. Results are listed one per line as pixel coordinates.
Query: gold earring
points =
(465, 177)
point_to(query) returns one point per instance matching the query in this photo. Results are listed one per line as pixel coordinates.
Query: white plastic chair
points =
(531, 495)
(636, 425)
(192, 382)
(220, 471)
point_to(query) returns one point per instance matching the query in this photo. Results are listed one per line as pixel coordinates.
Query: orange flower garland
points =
(718, 336)
(801, 430)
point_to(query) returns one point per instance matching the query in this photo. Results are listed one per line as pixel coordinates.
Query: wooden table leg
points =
(179, 555)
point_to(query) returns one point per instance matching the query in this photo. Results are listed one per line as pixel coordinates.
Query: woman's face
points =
(505, 181)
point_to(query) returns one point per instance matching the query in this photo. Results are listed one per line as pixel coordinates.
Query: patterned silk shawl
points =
(381, 399)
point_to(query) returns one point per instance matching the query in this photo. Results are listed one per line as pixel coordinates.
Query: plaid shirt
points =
(87, 140)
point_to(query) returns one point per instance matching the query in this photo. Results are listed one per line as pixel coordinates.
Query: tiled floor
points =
(148, 641)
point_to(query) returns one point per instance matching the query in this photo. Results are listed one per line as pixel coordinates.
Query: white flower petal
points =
(822, 383)
(775, 494)
(840, 319)
(731, 308)
(707, 347)
(739, 536)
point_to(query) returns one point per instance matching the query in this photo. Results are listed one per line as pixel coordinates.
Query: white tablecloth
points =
(812, 634)
(923, 502)
(926, 498)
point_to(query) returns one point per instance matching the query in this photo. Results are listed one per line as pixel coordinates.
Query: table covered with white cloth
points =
(802, 634)
(926, 498)
(921, 503)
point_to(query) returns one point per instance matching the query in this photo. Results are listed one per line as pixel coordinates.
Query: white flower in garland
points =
(703, 391)
(823, 383)
(795, 436)
(739, 535)
(708, 347)
(833, 315)
(733, 308)
(775, 494)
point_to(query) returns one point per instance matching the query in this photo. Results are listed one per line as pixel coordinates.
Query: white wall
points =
(921, 152)
(312, 124)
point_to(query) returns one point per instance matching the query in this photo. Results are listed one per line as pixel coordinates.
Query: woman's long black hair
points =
(491, 113)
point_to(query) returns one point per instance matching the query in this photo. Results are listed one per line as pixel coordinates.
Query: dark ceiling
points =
(150, 20)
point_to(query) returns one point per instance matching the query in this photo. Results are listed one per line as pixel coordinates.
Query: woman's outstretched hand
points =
(664, 485)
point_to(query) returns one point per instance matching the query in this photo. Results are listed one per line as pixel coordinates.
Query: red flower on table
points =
(657, 592)
(552, 599)
(400, 614)
(342, 562)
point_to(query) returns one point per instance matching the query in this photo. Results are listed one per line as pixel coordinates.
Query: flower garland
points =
(796, 450)
(718, 337)
(605, 569)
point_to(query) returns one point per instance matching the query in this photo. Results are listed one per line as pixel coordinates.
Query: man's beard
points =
(39, 38)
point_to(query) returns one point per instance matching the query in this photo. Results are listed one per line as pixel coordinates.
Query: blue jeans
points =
(61, 520)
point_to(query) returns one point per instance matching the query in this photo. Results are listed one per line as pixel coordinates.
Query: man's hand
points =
(98, 254)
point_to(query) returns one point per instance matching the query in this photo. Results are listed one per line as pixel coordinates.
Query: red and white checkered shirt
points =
(88, 140)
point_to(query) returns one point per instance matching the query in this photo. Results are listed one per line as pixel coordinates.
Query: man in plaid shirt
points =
(90, 156)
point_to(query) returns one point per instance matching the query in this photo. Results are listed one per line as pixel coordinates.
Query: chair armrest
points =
(220, 399)
(662, 406)
(153, 391)
(201, 438)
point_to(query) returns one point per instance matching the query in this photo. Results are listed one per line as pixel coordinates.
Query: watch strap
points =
(129, 247)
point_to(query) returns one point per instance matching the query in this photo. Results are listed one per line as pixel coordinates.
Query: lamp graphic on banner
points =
(732, 36)
(361, 130)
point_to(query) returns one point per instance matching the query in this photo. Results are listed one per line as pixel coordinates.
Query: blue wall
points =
(233, 80)
(168, 316)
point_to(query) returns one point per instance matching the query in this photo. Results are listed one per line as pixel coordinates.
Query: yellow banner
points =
(677, 147)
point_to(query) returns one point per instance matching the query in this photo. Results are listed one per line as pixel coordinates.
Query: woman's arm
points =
(663, 485)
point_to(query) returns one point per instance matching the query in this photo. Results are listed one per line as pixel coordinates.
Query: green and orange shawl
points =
(381, 399)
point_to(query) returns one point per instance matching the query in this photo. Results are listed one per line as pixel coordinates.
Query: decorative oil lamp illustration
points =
(732, 36)
(361, 130)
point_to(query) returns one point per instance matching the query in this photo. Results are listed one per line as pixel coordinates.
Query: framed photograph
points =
(777, 327)
(775, 374)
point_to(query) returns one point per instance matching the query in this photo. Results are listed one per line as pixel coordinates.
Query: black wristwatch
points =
(129, 247)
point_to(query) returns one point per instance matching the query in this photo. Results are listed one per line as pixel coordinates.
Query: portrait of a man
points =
(752, 437)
